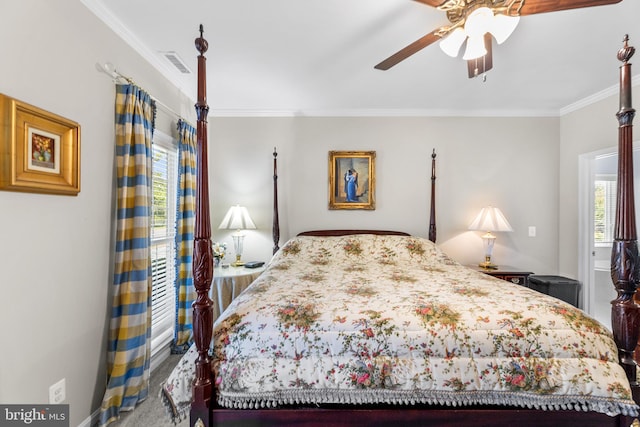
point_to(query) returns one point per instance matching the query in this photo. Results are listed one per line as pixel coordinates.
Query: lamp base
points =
(488, 265)
(238, 238)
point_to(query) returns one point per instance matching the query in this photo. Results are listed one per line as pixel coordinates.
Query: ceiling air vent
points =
(177, 62)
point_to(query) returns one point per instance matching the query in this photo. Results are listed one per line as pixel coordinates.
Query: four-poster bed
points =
(400, 406)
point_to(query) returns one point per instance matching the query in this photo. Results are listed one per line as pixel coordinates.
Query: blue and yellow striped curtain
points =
(185, 293)
(130, 326)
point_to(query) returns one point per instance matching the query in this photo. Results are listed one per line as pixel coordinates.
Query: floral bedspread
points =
(372, 319)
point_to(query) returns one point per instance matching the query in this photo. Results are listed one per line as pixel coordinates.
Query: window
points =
(163, 232)
(604, 209)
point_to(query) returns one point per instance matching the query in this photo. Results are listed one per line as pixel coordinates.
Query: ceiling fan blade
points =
(481, 65)
(532, 7)
(414, 47)
(434, 3)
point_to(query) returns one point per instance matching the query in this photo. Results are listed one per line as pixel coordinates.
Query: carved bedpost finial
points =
(626, 112)
(626, 52)
(201, 44)
(202, 109)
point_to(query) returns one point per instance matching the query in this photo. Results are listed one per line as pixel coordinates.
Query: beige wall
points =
(511, 163)
(55, 252)
(589, 129)
(55, 262)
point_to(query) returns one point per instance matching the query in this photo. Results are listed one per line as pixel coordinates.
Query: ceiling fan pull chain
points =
(484, 67)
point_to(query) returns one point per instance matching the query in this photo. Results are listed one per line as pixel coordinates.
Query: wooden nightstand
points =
(505, 272)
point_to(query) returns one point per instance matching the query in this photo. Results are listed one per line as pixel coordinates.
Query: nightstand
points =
(228, 283)
(505, 272)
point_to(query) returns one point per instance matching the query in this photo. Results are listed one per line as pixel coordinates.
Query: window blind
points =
(604, 209)
(163, 233)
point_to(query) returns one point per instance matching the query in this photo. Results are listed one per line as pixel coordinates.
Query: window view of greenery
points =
(604, 211)
(159, 186)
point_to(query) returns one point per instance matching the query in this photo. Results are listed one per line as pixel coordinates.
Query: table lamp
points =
(489, 219)
(237, 218)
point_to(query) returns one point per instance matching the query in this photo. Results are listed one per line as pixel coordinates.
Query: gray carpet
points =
(151, 412)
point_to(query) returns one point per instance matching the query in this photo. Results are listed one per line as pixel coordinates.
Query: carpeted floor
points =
(151, 412)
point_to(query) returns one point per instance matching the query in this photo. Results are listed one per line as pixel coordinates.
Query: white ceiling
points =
(316, 57)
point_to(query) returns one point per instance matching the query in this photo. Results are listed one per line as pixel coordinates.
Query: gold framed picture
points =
(39, 150)
(352, 180)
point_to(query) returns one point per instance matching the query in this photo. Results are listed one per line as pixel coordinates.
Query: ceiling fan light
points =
(479, 22)
(503, 26)
(475, 48)
(453, 42)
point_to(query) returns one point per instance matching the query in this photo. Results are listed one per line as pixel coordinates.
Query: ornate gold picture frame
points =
(352, 179)
(39, 151)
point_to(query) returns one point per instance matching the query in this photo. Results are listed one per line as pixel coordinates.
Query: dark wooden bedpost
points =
(276, 220)
(624, 254)
(432, 215)
(202, 258)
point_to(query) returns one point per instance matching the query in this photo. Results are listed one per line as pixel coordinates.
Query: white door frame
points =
(586, 178)
(586, 174)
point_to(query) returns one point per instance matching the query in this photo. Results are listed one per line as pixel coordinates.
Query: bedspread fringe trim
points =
(606, 406)
(175, 413)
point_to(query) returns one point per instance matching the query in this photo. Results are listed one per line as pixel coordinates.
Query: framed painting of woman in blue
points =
(352, 179)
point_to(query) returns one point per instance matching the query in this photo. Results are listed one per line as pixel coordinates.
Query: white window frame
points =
(609, 183)
(163, 249)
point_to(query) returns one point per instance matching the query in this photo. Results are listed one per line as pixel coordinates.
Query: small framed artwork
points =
(39, 151)
(352, 180)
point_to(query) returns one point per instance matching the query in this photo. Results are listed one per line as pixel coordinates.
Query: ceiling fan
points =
(477, 22)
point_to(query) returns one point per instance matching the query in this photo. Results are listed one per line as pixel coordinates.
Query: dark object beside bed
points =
(557, 286)
(206, 412)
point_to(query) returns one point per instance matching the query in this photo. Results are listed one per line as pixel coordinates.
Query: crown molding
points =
(154, 58)
(380, 113)
(599, 96)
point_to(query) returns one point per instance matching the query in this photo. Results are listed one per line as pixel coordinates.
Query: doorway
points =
(597, 197)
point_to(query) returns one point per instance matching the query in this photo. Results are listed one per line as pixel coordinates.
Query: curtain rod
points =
(115, 75)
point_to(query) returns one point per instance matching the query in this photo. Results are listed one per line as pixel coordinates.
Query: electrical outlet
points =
(58, 392)
(532, 231)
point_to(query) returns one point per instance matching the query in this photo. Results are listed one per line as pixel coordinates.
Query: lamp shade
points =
(453, 42)
(490, 219)
(479, 22)
(475, 48)
(237, 218)
(503, 26)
